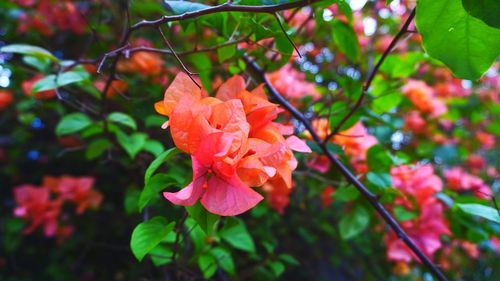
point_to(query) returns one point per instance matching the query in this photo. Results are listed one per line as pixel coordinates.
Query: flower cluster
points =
(46, 15)
(233, 143)
(425, 230)
(424, 99)
(42, 205)
(459, 180)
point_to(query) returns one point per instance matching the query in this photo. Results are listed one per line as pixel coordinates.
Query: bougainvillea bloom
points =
(145, 63)
(234, 144)
(116, 87)
(422, 96)
(459, 180)
(356, 141)
(326, 196)
(5, 99)
(425, 231)
(35, 205)
(292, 83)
(42, 206)
(418, 181)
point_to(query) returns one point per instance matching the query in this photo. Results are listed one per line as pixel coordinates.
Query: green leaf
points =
(277, 268)
(161, 255)
(345, 194)
(467, 45)
(147, 235)
(345, 38)
(485, 10)
(72, 123)
(207, 265)
(402, 214)
(154, 146)
(226, 52)
(153, 187)
(481, 211)
(96, 148)
(386, 102)
(205, 219)
(122, 119)
(40, 63)
(181, 7)
(289, 259)
(130, 200)
(381, 180)
(354, 222)
(53, 81)
(131, 144)
(235, 233)
(379, 160)
(162, 158)
(224, 259)
(30, 50)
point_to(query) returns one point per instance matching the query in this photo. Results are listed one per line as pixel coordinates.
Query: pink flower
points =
(459, 180)
(418, 181)
(292, 83)
(319, 163)
(425, 231)
(422, 96)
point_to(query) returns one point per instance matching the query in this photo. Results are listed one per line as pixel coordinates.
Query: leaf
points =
(386, 102)
(277, 268)
(354, 222)
(485, 10)
(154, 147)
(345, 194)
(53, 81)
(345, 38)
(161, 255)
(162, 158)
(289, 259)
(148, 235)
(235, 233)
(402, 214)
(181, 7)
(226, 52)
(204, 219)
(122, 119)
(467, 45)
(131, 144)
(207, 265)
(481, 211)
(224, 259)
(41, 64)
(381, 180)
(96, 148)
(379, 160)
(72, 123)
(154, 186)
(28, 50)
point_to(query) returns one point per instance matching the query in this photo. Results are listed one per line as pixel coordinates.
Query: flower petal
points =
(229, 196)
(294, 143)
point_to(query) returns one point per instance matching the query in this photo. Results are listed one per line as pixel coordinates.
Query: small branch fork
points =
(371, 76)
(260, 75)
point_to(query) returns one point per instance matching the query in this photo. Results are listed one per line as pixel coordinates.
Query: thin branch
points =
(286, 34)
(188, 72)
(350, 177)
(371, 76)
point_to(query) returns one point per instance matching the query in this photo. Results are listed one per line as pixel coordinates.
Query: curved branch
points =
(350, 177)
(371, 76)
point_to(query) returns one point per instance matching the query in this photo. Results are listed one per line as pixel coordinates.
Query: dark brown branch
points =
(350, 177)
(286, 34)
(226, 7)
(371, 76)
(188, 72)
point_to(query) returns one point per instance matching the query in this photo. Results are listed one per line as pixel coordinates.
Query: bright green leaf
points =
(162, 158)
(483, 211)
(207, 265)
(354, 222)
(28, 50)
(345, 38)
(147, 235)
(205, 219)
(181, 7)
(72, 123)
(122, 119)
(131, 144)
(235, 233)
(467, 45)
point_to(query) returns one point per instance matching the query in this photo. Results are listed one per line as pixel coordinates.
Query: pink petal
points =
(193, 191)
(229, 196)
(294, 143)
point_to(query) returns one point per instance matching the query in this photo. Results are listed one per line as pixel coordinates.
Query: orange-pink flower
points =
(422, 96)
(234, 144)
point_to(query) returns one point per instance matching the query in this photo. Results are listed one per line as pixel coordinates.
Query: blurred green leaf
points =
(147, 235)
(72, 123)
(162, 158)
(205, 219)
(346, 40)
(30, 50)
(122, 119)
(481, 211)
(131, 144)
(235, 233)
(354, 223)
